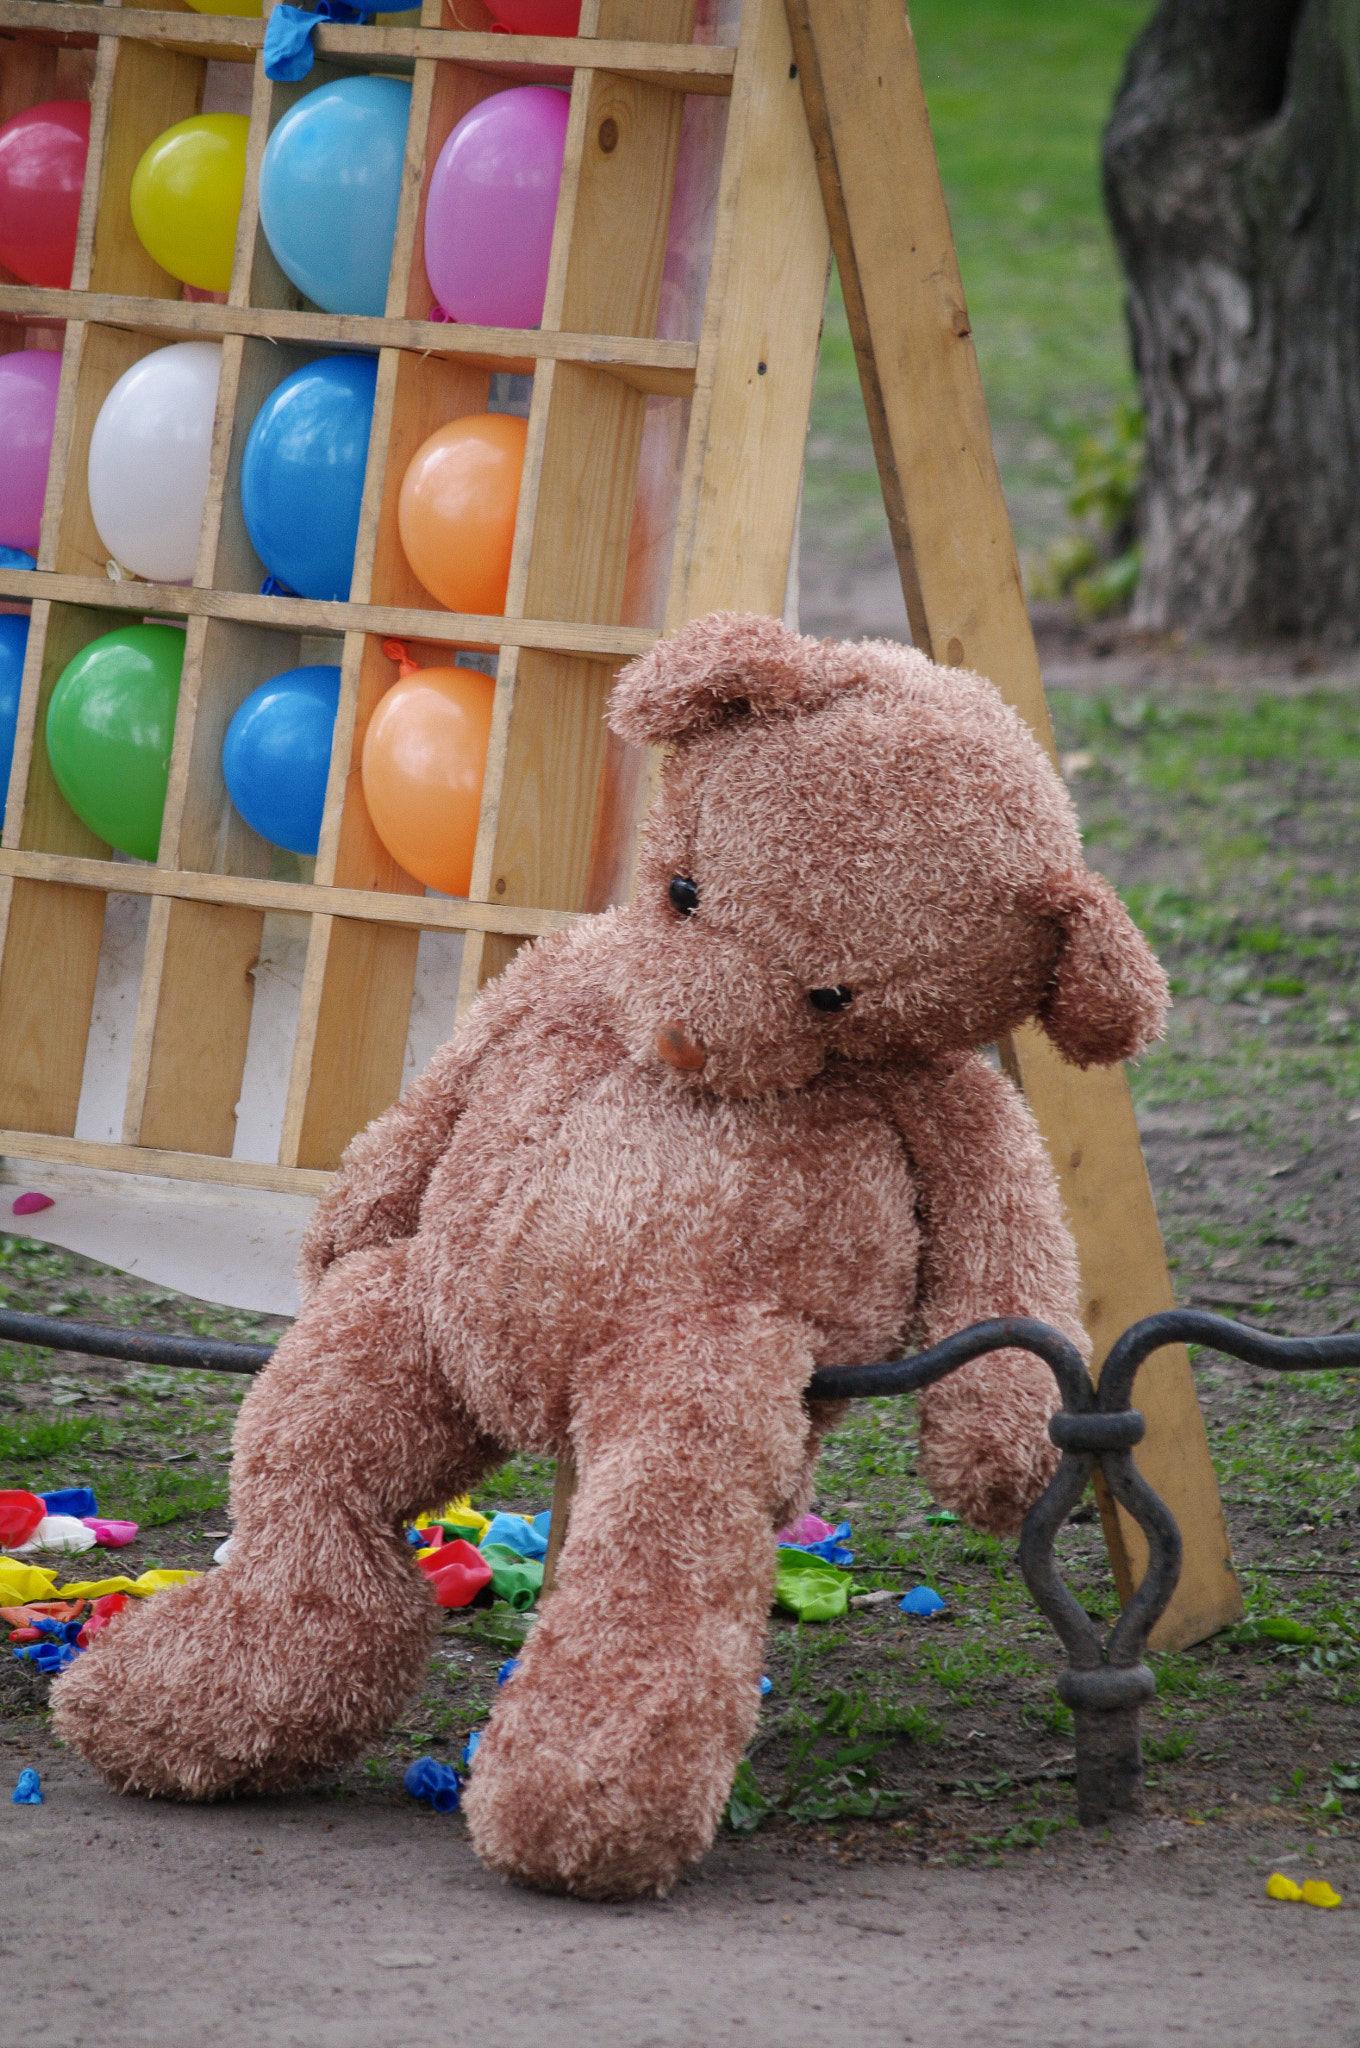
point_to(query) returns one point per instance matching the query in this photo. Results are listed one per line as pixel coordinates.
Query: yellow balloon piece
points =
(22, 1583)
(148, 1583)
(1315, 1891)
(186, 196)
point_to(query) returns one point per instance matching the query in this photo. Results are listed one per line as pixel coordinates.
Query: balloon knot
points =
(397, 650)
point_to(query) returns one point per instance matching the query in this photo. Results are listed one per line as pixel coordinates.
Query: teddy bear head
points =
(855, 856)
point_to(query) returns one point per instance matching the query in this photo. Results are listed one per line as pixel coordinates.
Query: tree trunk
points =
(1232, 178)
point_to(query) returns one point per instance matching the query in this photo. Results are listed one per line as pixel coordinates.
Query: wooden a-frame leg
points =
(890, 231)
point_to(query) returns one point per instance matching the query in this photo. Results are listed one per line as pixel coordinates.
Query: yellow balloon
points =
(186, 195)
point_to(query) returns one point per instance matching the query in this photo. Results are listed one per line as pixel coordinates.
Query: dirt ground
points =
(941, 1893)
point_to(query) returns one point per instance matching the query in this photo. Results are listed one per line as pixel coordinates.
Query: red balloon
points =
(42, 168)
(538, 17)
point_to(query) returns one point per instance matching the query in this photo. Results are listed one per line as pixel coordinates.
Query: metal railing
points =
(1106, 1680)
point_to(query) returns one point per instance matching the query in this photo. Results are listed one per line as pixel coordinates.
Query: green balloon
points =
(110, 725)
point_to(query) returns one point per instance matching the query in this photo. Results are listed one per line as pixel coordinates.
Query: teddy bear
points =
(680, 1155)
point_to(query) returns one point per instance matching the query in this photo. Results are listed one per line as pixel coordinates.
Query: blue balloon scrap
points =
(923, 1601)
(766, 1687)
(28, 1791)
(436, 1782)
(71, 1500)
(302, 474)
(288, 52)
(507, 1671)
(17, 558)
(277, 755)
(49, 1657)
(831, 1549)
(526, 1537)
(470, 1747)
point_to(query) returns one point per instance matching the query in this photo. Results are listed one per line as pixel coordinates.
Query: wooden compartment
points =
(636, 336)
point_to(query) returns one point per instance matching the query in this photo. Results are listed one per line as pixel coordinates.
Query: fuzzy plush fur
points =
(628, 1210)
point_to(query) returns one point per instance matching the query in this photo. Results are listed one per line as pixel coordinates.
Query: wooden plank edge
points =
(198, 1166)
(681, 67)
(665, 368)
(457, 629)
(307, 899)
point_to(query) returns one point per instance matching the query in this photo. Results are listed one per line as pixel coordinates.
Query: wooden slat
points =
(678, 66)
(452, 629)
(47, 981)
(238, 1173)
(360, 1042)
(423, 913)
(199, 1046)
(904, 299)
(665, 368)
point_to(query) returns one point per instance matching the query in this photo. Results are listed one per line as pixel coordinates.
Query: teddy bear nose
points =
(679, 1050)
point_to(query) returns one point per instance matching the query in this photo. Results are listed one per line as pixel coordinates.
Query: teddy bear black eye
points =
(830, 998)
(684, 895)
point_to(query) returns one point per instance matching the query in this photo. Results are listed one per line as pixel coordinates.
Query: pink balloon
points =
(491, 206)
(28, 410)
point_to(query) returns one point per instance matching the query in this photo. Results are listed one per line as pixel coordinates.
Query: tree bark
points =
(1232, 179)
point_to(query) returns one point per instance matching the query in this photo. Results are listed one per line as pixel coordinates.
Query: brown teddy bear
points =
(680, 1155)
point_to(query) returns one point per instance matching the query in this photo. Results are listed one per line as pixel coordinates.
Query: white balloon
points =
(148, 462)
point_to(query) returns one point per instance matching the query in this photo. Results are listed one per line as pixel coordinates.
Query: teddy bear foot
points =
(548, 1822)
(227, 1685)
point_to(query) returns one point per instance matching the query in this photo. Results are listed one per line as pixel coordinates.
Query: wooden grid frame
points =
(561, 801)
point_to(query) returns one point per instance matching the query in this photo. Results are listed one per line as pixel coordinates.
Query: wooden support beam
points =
(870, 130)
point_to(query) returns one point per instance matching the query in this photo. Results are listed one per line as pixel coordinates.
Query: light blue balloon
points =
(330, 185)
(302, 475)
(277, 755)
(13, 641)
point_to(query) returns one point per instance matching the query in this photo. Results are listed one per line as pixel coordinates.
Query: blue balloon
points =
(13, 641)
(330, 185)
(302, 476)
(277, 754)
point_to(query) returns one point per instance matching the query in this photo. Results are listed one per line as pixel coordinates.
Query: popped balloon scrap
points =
(28, 1791)
(1314, 1891)
(436, 1782)
(922, 1601)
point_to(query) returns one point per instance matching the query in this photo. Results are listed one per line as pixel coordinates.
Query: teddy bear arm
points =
(994, 1243)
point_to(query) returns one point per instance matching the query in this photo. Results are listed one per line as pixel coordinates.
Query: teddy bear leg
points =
(300, 1651)
(613, 1747)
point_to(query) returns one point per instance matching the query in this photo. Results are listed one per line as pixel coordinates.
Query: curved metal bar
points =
(1070, 1621)
(1150, 1601)
(142, 1347)
(1197, 1326)
(909, 1375)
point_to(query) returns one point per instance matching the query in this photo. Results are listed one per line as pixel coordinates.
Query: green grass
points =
(1019, 91)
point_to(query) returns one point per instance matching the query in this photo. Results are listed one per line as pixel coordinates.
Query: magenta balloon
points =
(28, 408)
(491, 206)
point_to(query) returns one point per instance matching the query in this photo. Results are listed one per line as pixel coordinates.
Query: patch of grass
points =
(1018, 97)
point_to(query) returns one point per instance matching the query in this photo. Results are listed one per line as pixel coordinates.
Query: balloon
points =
(148, 463)
(109, 728)
(42, 168)
(456, 511)
(186, 195)
(28, 411)
(491, 206)
(302, 477)
(329, 187)
(277, 755)
(538, 17)
(423, 762)
(13, 641)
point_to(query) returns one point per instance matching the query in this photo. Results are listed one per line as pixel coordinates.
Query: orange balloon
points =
(423, 764)
(456, 512)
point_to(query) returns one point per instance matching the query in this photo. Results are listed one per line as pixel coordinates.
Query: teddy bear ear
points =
(1108, 997)
(726, 666)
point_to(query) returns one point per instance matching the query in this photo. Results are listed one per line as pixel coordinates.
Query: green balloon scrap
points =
(809, 1587)
(516, 1579)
